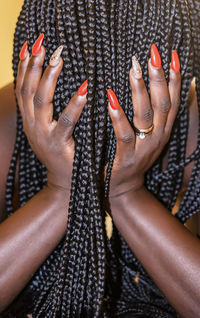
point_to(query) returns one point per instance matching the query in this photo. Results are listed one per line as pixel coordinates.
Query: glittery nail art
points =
(54, 60)
(136, 68)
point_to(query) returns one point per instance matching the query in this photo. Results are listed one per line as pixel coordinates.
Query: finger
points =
(143, 114)
(124, 133)
(32, 77)
(43, 98)
(174, 91)
(22, 67)
(71, 113)
(160, 99)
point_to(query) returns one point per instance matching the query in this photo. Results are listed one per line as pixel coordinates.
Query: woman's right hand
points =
(51, 140)
(35, 229)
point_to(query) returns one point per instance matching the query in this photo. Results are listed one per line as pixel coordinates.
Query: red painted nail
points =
(38, 45)
(175, 63)
(114, 103)
(24, 51)
(83, 88)
(155, 57)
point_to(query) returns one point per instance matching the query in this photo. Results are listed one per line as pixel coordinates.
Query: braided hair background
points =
(88, 275)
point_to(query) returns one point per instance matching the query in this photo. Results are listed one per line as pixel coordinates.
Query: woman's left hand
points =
(136, 151)
(165, 248)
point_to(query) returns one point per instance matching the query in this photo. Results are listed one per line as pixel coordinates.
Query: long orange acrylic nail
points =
(155, 57)
(114, 103)
(24, 51)
(38, 45)
(83, 88)
(175, 62)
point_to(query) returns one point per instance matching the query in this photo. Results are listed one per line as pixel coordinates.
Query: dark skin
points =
(167, 250)
(143, 222)
(36, 228)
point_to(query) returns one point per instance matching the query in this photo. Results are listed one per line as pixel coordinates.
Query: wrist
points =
(57, 197)
(57, 192)
(122, 200)
(122, 187)
(57, 187)
(56, 183)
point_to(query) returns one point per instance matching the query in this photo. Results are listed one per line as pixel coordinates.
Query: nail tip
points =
(83, 88)
(113, 100)
(155, 57)
(136, 68)
(175, 62)
(36, 49)
(24, 51)
(54, 60)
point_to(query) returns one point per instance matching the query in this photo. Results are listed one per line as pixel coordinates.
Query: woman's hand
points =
(35, 229)
(165, 248)
(136, 151)
(51, 140)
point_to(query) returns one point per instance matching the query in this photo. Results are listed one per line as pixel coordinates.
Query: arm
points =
(28, 237)
(33, 231)
(167, 250)
(7, 138)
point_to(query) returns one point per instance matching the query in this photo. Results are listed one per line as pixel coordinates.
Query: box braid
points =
(99, 38)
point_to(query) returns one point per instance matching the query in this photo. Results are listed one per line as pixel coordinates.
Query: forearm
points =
(168, 251)
(28, 237)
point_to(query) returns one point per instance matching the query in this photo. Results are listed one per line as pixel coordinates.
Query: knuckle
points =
(38, 100)
(148, 114)
(25, 91)
(66, 120)
(34, 66)
(165, 106)
(176, 101)
(126, 138)
(157, 80)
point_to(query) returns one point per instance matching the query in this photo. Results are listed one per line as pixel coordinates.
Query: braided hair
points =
(88, 275)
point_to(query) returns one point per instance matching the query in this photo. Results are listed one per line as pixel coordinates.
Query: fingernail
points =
(24, 51)
(136, 68)
(83, 88)
(54, 60)
(175, 62)
(37, 46)
(155, 57)
(114, 103)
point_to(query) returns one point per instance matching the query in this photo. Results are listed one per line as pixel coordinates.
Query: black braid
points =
(88, 275)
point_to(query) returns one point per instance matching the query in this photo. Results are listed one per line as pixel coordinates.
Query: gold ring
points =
(142, 133)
